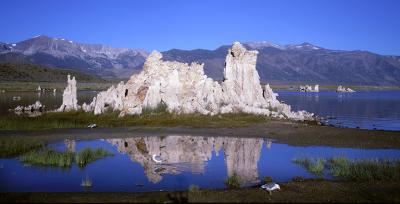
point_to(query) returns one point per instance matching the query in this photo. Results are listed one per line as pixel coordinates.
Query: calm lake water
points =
(363, 109)
(186, 160)
(49, 99)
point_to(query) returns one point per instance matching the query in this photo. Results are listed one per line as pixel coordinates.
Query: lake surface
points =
(362, 109)
(51, 100)
(186, 160)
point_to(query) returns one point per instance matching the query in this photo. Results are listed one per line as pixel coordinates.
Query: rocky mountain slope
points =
(10, 72)
(296, 64)
(101, 60)
(278, 64)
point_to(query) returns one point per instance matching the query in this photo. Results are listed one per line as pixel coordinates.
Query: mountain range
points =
(277, 64)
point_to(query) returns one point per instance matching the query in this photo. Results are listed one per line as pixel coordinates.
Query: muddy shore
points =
(288, 132)
(306, 191)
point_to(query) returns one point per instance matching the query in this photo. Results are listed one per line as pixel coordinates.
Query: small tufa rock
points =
(308, 88)
(344, 89)
(70, 101)
(33, 110)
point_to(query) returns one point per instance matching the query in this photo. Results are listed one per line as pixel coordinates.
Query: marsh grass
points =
(365, 169)
(48, 158)
(14, 146)
(88, 155)
(315, 166)
(233, 181)
(194, 190)
(354, 170)
(150, 117)
(63, 159)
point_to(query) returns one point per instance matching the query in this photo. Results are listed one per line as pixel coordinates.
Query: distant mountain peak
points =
(65, 53)
(262, 44)
(266, 44)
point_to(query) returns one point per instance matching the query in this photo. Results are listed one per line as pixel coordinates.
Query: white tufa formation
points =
(184, 88)
(70, 101)
(308, 88)
(344, 89)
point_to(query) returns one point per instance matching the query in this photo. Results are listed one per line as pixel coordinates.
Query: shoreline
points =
(26, 86)
(310, 190)
(287, 132)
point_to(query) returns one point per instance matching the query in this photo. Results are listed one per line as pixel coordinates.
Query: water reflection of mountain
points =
(190, 153)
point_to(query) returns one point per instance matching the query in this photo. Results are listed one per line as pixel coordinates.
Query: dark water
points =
(363, 109)
(49, 99)
(187, 160)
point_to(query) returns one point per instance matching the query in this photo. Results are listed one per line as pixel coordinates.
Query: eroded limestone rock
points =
(70, 101)
(308, 88)
(344, 89)
(33, 110)
(184, 88)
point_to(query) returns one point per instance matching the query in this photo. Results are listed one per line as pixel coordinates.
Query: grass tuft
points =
(354, 170)
(48, 158)
(366, 169)
(14, 146)
(233, 181)
(63, 159)
(88, 155)
(315, 166)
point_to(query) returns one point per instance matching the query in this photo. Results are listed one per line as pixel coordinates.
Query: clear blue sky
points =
(189, 24)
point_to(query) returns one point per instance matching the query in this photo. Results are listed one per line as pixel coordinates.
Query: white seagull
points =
(92, 126)
(271, 187)
(156, 158)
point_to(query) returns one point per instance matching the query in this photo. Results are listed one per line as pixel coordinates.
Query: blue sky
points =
(189, 24)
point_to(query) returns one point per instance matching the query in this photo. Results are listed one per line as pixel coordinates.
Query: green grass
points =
(48, 158)
(63, 159)
(315, 166)
(194, 190)
(365, 169)
(354, 170)
(233, 181)
(158, 117)
(267, 179)
(14, 146)
(88, 155)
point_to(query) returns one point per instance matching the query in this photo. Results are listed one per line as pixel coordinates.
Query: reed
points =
(48, 158)
(233, 181)
(64, 159)
(88, 155)
(14, 146)
(354, 170)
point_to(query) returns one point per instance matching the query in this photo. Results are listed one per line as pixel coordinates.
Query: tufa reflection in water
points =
(190, 154)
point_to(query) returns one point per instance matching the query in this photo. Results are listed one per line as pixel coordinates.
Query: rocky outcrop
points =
(308, 88)
(70, 101)
(184, 88)
(33, 110)
(344, 89)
